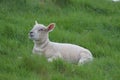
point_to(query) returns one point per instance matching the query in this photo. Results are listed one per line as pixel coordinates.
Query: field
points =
(93, 24)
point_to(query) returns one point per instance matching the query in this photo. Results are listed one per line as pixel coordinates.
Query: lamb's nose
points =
(31, 32)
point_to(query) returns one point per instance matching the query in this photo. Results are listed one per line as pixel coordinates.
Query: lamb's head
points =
(40, 32)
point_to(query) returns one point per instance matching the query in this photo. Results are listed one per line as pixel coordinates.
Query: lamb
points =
(52, 50)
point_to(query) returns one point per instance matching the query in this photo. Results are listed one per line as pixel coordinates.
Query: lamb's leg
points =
(84, 60)
(50, 59)
(81, 61)
(58, 55)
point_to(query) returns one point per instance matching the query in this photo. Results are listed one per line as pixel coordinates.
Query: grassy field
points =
(93, 24)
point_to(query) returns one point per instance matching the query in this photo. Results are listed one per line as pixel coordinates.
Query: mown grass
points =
(91, 24)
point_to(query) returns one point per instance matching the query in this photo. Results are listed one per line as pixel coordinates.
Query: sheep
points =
(51, 50)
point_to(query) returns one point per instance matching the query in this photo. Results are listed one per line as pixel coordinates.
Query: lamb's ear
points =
(50, 27)
(36, 22)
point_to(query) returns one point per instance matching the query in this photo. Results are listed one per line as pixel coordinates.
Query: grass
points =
(86, 23)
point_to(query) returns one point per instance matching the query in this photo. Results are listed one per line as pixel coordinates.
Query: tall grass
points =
(91, 24)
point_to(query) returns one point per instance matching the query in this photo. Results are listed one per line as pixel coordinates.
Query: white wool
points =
(51, 50)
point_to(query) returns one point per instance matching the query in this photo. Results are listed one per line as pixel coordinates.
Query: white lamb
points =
(51, 50)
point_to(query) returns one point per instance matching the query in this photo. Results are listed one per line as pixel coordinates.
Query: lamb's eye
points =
(40, 29)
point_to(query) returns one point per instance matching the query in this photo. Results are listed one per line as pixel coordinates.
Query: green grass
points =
(93, 24)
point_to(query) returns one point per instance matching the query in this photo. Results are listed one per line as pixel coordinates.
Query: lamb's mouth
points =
(31, 36)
